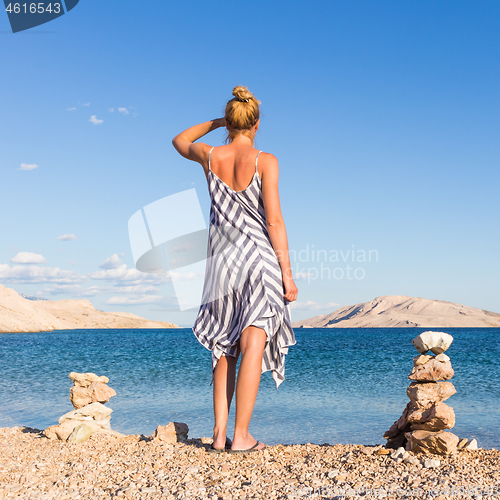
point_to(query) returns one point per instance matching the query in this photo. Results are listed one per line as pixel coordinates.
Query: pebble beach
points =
(35, 467)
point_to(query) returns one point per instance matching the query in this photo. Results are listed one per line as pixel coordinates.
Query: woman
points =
(248, 280)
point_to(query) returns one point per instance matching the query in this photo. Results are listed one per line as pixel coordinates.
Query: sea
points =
(341, 385)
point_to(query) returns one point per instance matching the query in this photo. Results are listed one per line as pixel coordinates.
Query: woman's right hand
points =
(290, 288)
(220, 122)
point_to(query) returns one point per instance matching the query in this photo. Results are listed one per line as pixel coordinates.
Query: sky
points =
(384, 117)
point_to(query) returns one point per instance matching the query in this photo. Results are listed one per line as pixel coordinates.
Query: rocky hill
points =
(18, 314)
(403, 311)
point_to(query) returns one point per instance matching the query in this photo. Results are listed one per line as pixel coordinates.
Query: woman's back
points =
(235, 165)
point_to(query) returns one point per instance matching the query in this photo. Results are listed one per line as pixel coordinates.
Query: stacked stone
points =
(88, 388)
(90, 416)
(422, 426)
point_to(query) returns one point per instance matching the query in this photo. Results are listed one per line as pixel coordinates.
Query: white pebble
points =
(430, 463)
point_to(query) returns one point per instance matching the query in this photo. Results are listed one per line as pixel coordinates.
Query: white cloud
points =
(72, 262)
(112, 262)
(136, 289)
(124, 111)
(127, 286)
(93, 119)
(71, 109)
(314, 306)
(28, 166)
(86, 103)
(131, 276)
(111, 110)
(28, 258)
(73, 290)
(36, 274)
(180, 276)
(135, 300)
(66, 237)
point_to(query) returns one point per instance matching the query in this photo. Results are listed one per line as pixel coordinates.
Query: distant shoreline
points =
(295, 328)
(391, 327)
(23, 315)
(96, 329)
(402, 311)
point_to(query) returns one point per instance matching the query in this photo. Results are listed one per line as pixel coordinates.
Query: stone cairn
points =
(90, 416)
(421, 427)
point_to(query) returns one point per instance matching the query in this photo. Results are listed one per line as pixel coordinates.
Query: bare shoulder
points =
(268, 163)
(199, 152)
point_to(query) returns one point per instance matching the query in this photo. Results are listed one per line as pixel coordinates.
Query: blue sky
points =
(384, 117)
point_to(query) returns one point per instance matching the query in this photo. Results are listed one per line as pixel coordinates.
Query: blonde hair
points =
(241, 114)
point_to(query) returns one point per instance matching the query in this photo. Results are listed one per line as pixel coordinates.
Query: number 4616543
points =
(33, 8)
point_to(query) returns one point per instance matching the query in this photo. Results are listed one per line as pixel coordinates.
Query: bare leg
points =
(224, 380)
(252, 344)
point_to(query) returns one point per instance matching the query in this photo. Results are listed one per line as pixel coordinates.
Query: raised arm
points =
(275, 223)
(185, 144)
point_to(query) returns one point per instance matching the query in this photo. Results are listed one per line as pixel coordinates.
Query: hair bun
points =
(241, 118)
(242, 94)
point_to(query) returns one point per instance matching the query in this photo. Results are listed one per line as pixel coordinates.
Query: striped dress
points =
(243, 281)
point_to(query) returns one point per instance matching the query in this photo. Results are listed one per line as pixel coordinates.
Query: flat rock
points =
(421, 359)
(85, 379)
(64, 429)
(424, 393)
(80, 396)
(432, 371)
(96, 392)
(438, 443)
(436, 342)
(104, 423)
(436, 417)
(61, 431)
(442, 357)
(96, 411)
(472, 445)
(80, 433)
(171, 433)
(101, 393)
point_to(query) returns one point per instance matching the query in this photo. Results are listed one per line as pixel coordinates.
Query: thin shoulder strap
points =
(257, 159)
(209, 157)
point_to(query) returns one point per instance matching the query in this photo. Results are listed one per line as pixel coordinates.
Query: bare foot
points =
(219, 442)
(245, 443)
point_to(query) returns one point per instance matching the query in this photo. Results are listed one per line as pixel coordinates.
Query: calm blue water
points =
(342, 385)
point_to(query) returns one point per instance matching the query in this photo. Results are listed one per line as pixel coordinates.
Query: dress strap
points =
(257, 159)
(209, 157)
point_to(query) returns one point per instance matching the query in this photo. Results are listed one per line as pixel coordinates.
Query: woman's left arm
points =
(184, 142)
